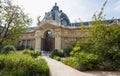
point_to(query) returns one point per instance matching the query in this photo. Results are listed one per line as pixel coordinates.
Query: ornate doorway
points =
(48, 42)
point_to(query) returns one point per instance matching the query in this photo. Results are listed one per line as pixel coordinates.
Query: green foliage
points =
(61, 53)
(33, 53)
(14, 22)
(6, 73)
(22, 65)
(100, 49)
(53, 53)
(20, 47)
(75, 49)
(56, 52)
(8, 48)
(66, 51)
(87, 61)
(57, 58)
(105, 40)
(110, 61)
(83, 61)
(71, 61)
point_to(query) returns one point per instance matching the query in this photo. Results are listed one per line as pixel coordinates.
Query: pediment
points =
(46, 26)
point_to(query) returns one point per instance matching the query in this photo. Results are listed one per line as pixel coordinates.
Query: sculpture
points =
(38, 18)
(48, 16)
(59, 17)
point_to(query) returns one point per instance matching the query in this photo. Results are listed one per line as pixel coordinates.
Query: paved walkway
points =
(59, 69)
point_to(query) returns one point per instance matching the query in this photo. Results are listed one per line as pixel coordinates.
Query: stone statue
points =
(48, 16)
(38, 18)
(59, 14)
(59, 17)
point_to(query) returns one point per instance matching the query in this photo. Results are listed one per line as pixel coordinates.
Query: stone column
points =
(38, 40)
(38, 44)
(58, 39)
(58, 43)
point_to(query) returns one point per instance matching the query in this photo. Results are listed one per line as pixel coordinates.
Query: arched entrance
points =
(48, 42)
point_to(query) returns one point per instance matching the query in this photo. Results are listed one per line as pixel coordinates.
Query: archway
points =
(48, 42)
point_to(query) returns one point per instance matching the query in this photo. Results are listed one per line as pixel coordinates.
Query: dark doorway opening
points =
(48, 42)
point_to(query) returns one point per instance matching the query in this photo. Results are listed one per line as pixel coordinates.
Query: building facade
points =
(54, 31)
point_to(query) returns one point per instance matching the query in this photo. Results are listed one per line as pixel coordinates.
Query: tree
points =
(105, 37)
(103, 41)
(13, 22)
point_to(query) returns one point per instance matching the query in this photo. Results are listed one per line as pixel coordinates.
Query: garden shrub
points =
(57, 58)
(111, 61)
(60, 53)
(75, 49)
(71, 61)
(2, 61)
(32, 53)
(56, 52)
(87, 61)
(53, 53)
(100, 49)
(116, 58)
(8, 48)
(83, 61)
(108, 65)
(6, 73)
(66, 51)
(22, 65)
(35, 54)
(20, 47)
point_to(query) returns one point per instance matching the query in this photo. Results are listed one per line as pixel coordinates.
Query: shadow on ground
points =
(104, 73)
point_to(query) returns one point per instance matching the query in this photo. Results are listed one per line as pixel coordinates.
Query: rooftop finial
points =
(55, 4)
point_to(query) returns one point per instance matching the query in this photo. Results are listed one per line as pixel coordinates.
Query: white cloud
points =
(35, 7)
(117, 7)
(75, 9)
(39, 7)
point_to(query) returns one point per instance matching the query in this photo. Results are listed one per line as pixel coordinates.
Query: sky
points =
(76, 10)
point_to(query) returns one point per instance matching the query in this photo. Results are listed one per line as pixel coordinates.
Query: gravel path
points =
(59, 69)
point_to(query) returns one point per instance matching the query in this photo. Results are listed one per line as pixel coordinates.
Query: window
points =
(24, 42)
(28, 43)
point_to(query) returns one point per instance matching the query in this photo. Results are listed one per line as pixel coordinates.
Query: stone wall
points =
(64, 36)
(28, 40)
(71, 35)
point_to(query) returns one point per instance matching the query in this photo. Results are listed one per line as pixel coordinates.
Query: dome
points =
(57, 15)
(64, 19)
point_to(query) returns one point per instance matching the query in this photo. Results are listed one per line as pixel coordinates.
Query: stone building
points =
(54, 31)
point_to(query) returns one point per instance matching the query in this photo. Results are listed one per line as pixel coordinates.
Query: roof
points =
(87, 23)
(78, 24)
